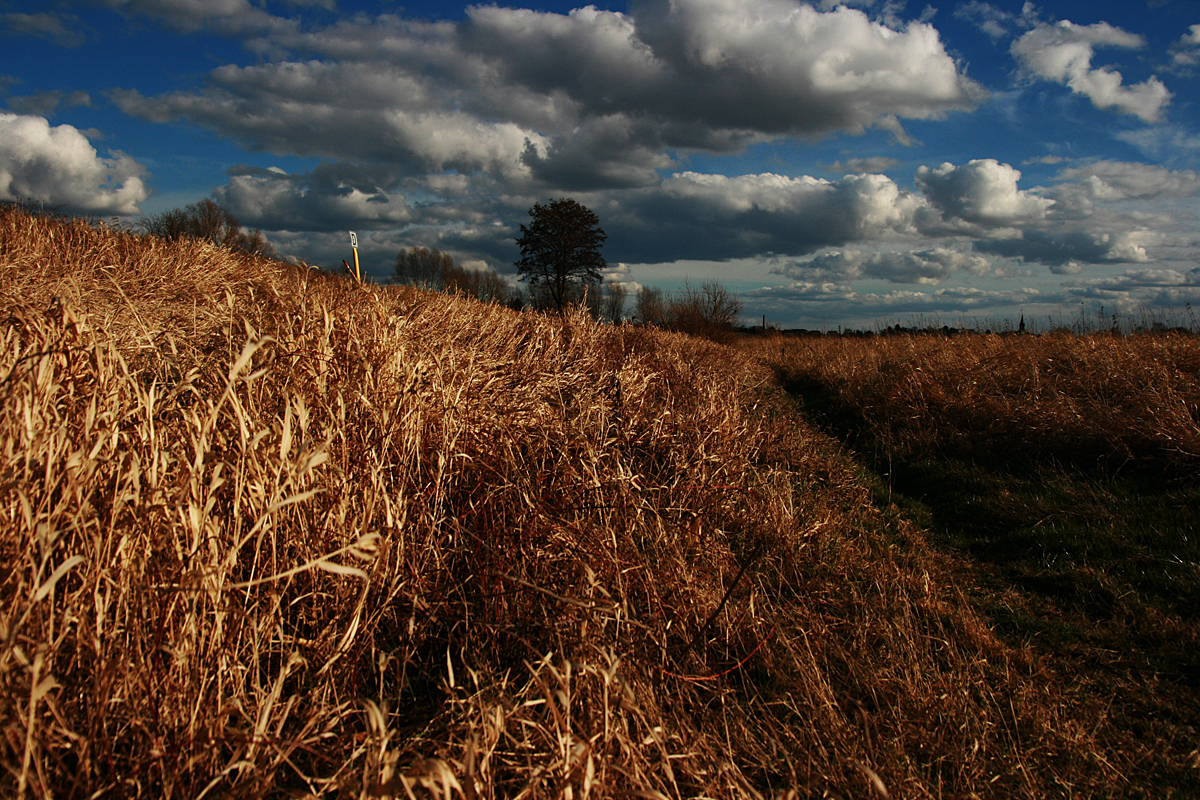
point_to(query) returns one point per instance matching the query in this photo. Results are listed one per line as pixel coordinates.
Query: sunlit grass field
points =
(267, 532)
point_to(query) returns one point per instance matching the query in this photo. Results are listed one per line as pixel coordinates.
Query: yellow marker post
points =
(354, 244)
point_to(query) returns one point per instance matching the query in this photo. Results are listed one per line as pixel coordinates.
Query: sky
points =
(855, 164)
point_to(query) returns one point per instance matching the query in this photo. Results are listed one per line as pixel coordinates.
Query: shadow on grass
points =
(1098, 571)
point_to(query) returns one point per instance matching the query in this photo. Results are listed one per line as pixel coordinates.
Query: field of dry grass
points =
(268, 532)
(1063, 469)
(1124, 402)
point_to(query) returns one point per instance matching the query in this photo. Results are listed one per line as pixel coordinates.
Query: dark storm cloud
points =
(328, 199)
(718, 218)
(930, 266)
(1065, 252)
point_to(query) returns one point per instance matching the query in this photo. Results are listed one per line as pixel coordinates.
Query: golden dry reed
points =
(268, 532)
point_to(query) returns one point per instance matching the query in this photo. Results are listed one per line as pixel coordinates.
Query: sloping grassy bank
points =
(266, 531)
(1063, 469)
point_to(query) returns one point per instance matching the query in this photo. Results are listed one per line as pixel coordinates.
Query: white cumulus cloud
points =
(1063, 53)
(224, 16)
(62, 29)
(838, 301)
(590, 99)
(1065, 252)
(1185, 53)
(982, 192)
(58, 166)
(788, 65)
(1140, 289)
(345, 110)
(993, 21)
(1122, 180)
(716, 217)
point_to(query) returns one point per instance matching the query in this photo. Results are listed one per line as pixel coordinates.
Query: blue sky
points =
(849, 164)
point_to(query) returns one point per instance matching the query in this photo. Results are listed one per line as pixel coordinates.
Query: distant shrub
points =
(708, 310)
(651, 307)
(430, 268)
(208, 220)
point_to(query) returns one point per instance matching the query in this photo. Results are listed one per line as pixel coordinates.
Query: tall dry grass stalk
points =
(266, 531)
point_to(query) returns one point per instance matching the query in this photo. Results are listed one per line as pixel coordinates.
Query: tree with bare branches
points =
(430, 268)
(612, 305)
(709, 310)
(651, 307)
(208, 220)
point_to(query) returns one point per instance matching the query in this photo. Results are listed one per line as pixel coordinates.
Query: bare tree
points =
(425, 267)
(591, 296)
(709, 310)
(432, 269)
(612, 307)
(651, 306)
(484, 284)
(208, 220)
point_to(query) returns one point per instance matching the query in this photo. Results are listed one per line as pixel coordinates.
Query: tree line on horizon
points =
(561, 261)
(561, 264)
